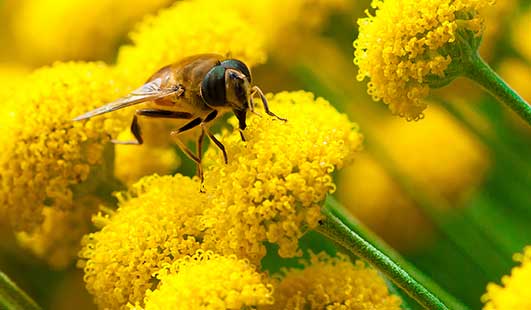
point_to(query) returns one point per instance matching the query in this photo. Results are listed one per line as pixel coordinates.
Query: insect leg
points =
(199, 154)
(217, 142)
(255, 89)
(155, 113)
(197, 159)
(135, 130)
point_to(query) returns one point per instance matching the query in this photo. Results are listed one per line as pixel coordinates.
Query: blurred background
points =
(450, 192)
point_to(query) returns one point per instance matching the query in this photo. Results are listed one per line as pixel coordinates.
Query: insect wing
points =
(147, 92)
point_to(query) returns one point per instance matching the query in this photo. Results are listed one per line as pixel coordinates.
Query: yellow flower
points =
(274, 183)
(45, 154)
(290, 16)
(271, 190)
(333, 283)
(516, 291)
(409, 46)
(50, 30)
(209, 281)
(520, 34)
(56, 240)
(157, 222)
(188, 28)
(438, 154)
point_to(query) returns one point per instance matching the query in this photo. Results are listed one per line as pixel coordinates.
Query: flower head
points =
(333, 283)
(51, 30)
(516, 291)
(209, 281)
(408, 46)
(46, 154)
(156, 223)
(274, 183)
(188, 28)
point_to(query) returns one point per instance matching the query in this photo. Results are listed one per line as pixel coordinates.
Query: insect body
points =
(196, 89)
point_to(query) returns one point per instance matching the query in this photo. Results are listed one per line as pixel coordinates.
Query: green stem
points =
(337, 227)
(12, 297)
(479, 71)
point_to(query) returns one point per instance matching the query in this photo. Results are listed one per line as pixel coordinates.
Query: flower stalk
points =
(341, 229)
(12, 297)
(479, 71)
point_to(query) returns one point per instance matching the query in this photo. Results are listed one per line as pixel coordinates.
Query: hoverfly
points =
(197, 89)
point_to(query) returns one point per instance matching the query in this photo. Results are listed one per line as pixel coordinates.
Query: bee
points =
(198, 89)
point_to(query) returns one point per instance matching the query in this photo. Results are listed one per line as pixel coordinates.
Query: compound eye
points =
(238, 65)
(213, 87)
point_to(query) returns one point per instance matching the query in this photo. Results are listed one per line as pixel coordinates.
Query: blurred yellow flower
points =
(188, 28)
(50, 30)
(516, 291)
(274, 183)
(371, 194)
(333, 283)
(438, 154)
(518, 74)
(289, 16)
(520, 34)
(409, 46)
(157, 222)
(498, 18)
(209, 281)
(56, 240)
(45, 154)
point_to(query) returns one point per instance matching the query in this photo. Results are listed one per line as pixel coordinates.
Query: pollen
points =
(408, 46)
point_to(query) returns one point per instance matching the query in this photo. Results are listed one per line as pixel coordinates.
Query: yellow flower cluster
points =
(209, 281)
(333, 283)
(156, 222)
(437, 153)
(51, 30)
(271, 190)
(188, 28)
(408, 47)
(45, 154)
(516, 291)
(273, 185)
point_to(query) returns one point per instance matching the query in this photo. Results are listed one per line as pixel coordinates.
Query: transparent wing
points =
(147, 92)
